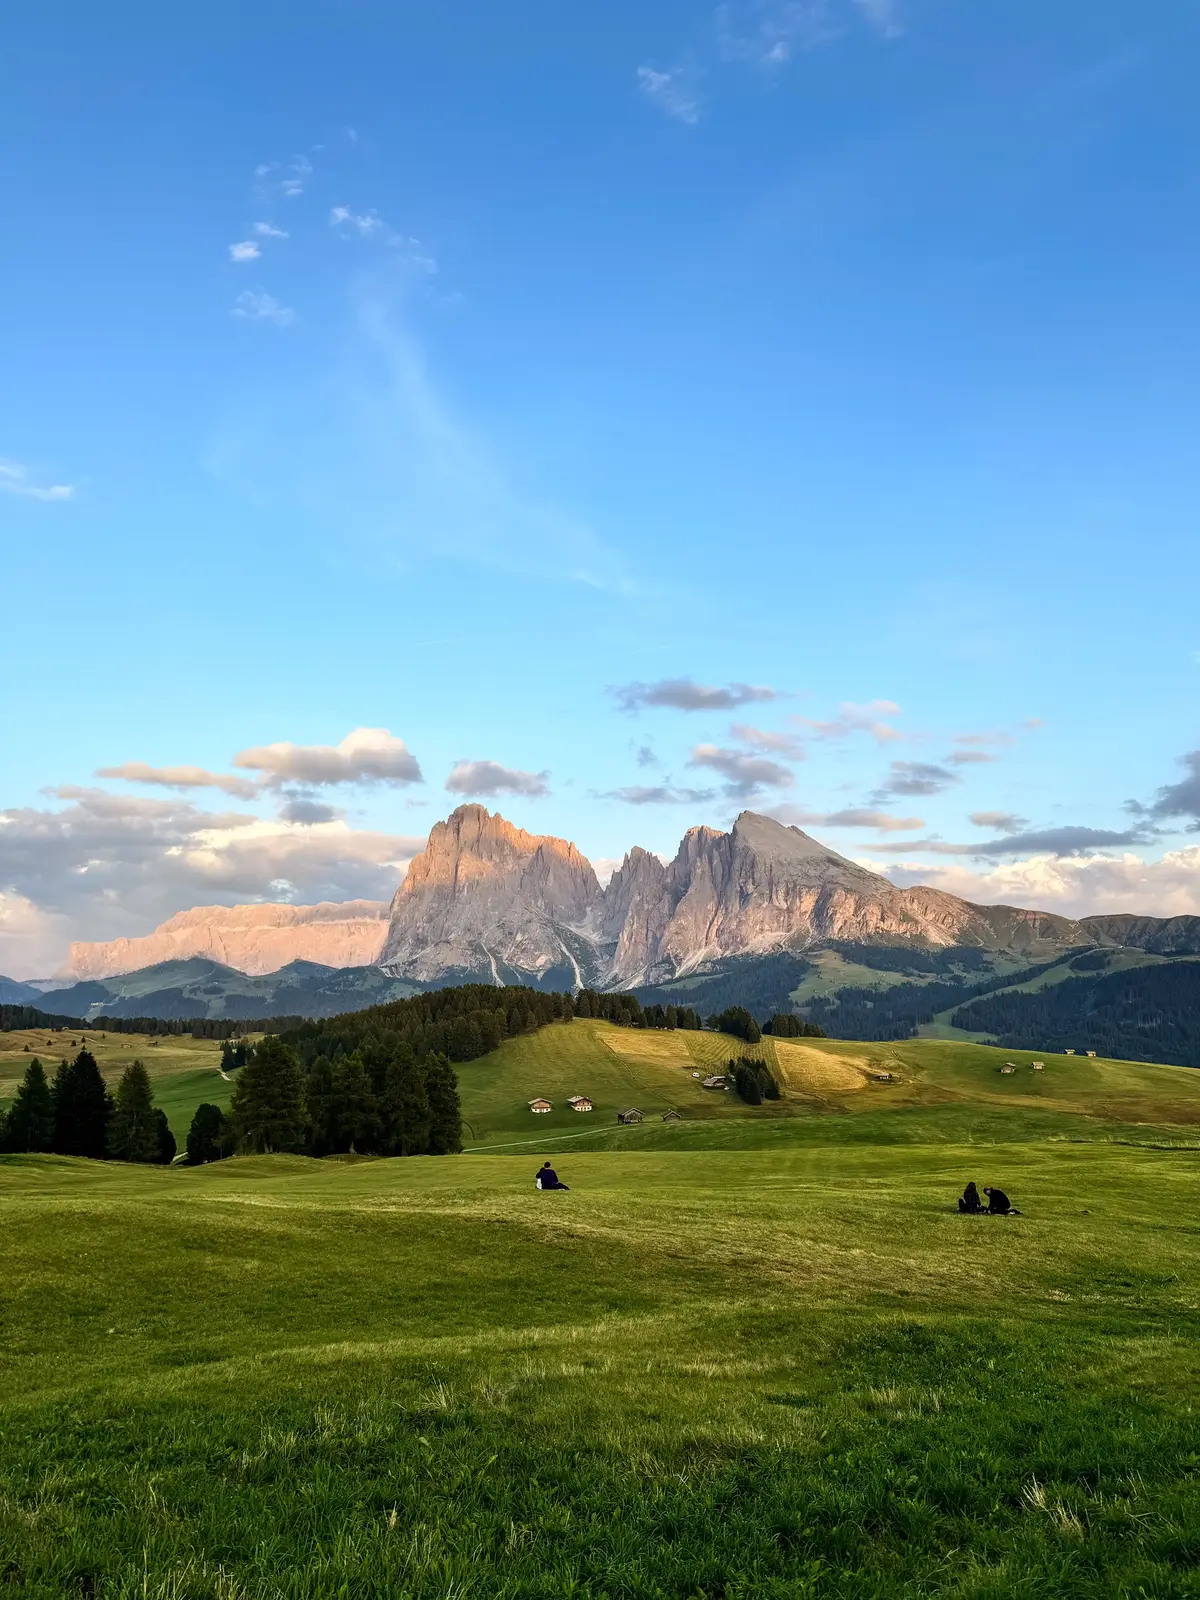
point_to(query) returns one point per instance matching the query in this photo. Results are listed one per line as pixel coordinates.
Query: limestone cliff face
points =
(254, 939)
(489, 901)
(763, 887)
(484, 896)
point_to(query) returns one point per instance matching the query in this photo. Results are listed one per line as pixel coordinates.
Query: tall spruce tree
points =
(355, 1114)
(445, 1110)
(133, 1130)
(404, 1107)
(82, 1109)
(268, 1110)
(206, 1135)
(166, 1147)
(30, 1121)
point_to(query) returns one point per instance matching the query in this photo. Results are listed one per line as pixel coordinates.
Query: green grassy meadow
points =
(754, 1353)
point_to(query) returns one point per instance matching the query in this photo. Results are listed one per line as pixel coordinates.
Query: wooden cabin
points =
(1038, 1066)
(630, 1116)
(1008, 1067)
(1068, 1052)
(1091, 1055)
(717, 1081)
(672, 1116)
(883, 1077)
(580, 1102)
(540, 1107)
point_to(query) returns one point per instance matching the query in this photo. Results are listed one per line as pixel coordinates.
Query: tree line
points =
(753, 1080)
(75, 1114)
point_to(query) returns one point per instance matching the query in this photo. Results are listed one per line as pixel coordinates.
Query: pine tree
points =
(133, 1132)
(404, 1107)
(205, 1136)
(268, 1110)
(167, 1148)
(82, 1109)
(445, 1111)
(318, 1098)
(355, 1116)
(30, 1121)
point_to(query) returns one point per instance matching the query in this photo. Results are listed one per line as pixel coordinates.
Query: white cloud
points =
(489, 778)
(1074, 886)
(675, 91)
(180, 778)
(15, 479)
(268, 230)
(105, 865)
(244, 250)
(410, 252)
(852, 817)
(259, 307)
(367, 755)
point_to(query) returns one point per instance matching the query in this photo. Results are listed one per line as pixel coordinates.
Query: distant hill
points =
(13, 993)
(182, 990)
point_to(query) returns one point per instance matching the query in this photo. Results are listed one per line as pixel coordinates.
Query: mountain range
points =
(746, 916)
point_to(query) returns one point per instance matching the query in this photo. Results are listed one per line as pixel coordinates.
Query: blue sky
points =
(450, 369)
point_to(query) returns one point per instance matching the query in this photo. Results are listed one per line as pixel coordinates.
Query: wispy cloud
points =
(257, 306)
(180, 778)
(745, 775)
(681, 694)
(268, 230)
(674, 90)
(663, 794)
(853, 817)
(16, 479)
(870, 718)
(1065, 841)
(409, 252)
(780, 744)
(1004, 821)
(490, 778)
(916, 777)
(761, 35)
(244, 250)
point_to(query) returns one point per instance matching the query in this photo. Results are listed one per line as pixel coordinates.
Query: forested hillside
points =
(1148, 1014)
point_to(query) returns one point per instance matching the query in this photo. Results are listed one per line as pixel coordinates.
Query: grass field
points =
(184, 1071)
(755, 1353)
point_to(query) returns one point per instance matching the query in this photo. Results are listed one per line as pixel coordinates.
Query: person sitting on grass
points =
(998, 1203)
(547, 1178)
(969, 1202)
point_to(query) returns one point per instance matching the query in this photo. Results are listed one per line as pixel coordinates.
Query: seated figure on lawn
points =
(547, 1178)
(969, 1201)
(998, 1202)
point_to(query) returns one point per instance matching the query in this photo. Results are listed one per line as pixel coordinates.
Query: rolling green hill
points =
(937, 1085)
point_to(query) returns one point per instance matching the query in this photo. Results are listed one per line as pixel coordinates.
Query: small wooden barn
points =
(672, 1116)
(540, 1107)
(1038, 1066)
(580, 1102)
(717, 1081)
(1068, 1052)
(631, 1115)
(1008, 1067)
(1092, 1055)
(883, 1077)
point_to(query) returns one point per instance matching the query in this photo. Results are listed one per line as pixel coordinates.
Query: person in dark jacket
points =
(969, 1202)
(998, 1203)
(547, 1178)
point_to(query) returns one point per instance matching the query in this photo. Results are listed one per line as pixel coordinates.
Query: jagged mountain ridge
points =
(488, 901)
